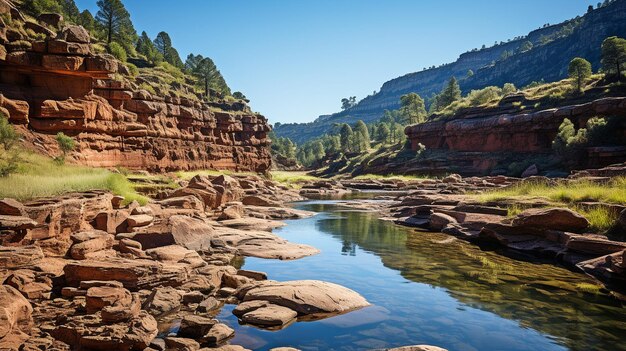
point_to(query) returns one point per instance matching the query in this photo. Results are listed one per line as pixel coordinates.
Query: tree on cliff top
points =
(579, 70)
(449, 94)
(207, 73)
(412, 108)
(115, 20)
(146, 47)
(163, 44)
(347, 103)
(614, 57)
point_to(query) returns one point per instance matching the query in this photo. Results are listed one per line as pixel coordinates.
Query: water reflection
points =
(430, 288)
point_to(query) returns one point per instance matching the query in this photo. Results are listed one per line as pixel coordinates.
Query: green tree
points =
(118, 51)
(163, 44)
(115, 19)
(345, 137)
(9, 157)
(239, 95)
(508, 88)
(146, 47)
(86, 20)
(37, 7)
(66, 144)
(207, 73)
(449, 94)
(614, 56)
(333, 144)
(347, 103)
(361, 136)
(383, 133)
(579, 70)
(317, 150)
(412, 108)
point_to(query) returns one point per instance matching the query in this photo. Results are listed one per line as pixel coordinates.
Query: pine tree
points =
(345, 137)
(579, 70)
(362, 136)
(450, 94)
(614, 56)
(115, 20)
(412, 108)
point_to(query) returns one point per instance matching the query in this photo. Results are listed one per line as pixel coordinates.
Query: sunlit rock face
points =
(59, 84)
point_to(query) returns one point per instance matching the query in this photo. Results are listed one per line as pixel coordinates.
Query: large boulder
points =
(75, 34)
(307, 297)
(133, 274)
(15, 313)
(562, 219)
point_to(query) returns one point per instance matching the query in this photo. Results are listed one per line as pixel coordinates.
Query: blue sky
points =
(296, 59)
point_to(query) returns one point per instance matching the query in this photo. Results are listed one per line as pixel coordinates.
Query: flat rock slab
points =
(253, 223)
(270, 316)
(307, 297)
(263, 244)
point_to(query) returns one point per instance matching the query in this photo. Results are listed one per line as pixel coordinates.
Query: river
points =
(428, 288)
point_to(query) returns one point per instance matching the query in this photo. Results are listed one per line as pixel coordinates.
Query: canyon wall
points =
(58, 84)
(480, 133)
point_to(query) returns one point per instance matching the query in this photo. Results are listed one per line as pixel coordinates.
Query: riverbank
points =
(86, 271)
(578, 222)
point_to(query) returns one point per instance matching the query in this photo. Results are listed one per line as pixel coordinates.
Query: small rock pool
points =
(428, 288)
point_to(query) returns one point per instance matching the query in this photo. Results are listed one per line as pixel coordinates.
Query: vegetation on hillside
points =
(348, 144)
(161, 69)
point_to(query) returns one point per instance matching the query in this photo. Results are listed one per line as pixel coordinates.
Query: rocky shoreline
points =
(84, 272)
(87, 271)
(542, 229)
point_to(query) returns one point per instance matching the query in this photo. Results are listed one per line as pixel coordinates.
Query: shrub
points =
(9, 158)
(147, 87)
(118, 51)
(134, 71)
(66, 144)
(483, 96)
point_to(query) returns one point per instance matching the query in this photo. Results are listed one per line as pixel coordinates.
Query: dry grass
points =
(576, 191)
(393, 177)
(568, 195)
(40, 176)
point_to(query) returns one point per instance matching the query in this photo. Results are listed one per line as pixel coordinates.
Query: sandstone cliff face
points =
(499, 130)
(59, 85)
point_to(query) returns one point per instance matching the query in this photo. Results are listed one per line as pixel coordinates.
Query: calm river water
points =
(426, 288)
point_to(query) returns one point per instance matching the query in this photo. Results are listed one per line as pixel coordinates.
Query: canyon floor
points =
(90, 271)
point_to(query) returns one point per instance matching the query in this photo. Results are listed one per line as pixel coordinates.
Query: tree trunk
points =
(110, 30)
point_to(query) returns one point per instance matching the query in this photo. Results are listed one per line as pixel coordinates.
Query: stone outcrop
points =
(490, 130)
(59, 84)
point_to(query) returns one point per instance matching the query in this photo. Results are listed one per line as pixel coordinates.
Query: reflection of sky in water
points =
(406, 312)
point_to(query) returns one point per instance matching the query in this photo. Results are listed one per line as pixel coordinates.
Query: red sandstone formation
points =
(59, 85)
(506, 129)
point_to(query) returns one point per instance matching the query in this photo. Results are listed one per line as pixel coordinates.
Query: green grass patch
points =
(576, 191)
(292, 178)
(39, 176)
(210, 173)
(392, 176)
(600, 218)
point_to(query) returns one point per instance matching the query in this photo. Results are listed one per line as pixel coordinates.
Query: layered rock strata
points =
(58, 84)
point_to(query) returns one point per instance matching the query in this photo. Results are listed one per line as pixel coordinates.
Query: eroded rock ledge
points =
(59, 85)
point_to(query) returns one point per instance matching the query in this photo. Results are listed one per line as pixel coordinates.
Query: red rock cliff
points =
(484, 130)
(59, 85)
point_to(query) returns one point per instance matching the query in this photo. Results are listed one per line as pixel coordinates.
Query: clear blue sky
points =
(296, 59)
